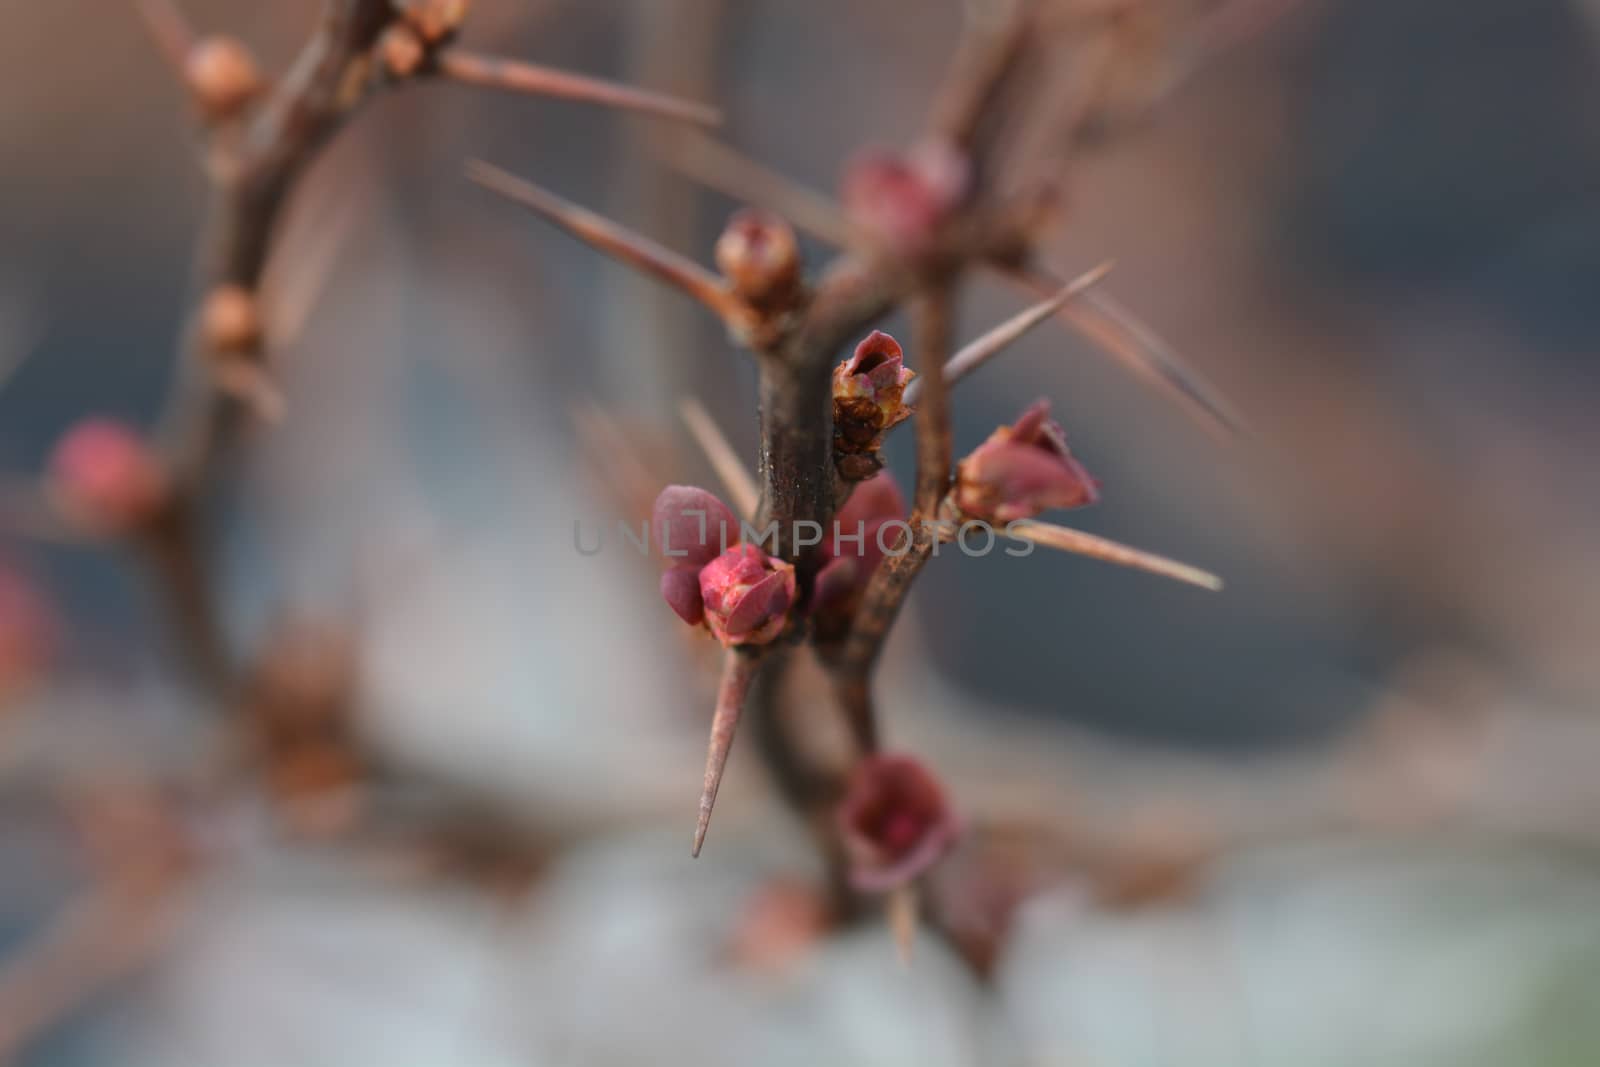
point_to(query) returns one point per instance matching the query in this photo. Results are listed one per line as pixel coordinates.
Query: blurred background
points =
(1344, 811)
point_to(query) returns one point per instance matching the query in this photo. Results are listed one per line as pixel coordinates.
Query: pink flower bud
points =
(106, 477)
(903, 199)
(760, 257)
(691, 526)
(680, 588)
(895, 822)
(1022, 470)
(868, 392)
(747, 595)
(27, 634)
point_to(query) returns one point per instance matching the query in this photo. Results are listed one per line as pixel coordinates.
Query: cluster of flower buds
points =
(868, 400)
(903, 200)
(738, 591)
(106, 478)
(895, 822)
(854, 550)
(223, 77)
(1021, 470)
(27, 634)
(760, 257)
(435, 21)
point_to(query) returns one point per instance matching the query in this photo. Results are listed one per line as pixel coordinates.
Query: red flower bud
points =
(760, 257)
(691, 526)
(903, 199)
(747, 595)
(895, 822)
(223, 76)
(106, 477)
(680, 588)
(27, 634)
(1022, 470)
(868, 399)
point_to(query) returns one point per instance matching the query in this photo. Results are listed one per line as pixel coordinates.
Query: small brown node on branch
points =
(230, 321)
(223, 76)
(760, 257)
(401, 51)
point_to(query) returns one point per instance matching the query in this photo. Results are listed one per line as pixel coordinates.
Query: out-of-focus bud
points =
(854, 553)
(1022, 470)
(230, 321)
(902, 200)
(434, 20)
(107, 478)
(401, 51)
(747, 596)
(868, 391)
(895, 822)
(760, 257)
(27, 634)
(691, 526)
(223, 76)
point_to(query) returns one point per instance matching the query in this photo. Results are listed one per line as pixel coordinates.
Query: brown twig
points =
(471, 68)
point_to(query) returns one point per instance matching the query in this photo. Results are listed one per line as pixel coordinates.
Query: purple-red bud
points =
(760, 257)
(895, 822)
(904, 199)
(747, 595)
(1021, 470)
(691, 526)
(105, 477)
(868, 399)
(680, 588)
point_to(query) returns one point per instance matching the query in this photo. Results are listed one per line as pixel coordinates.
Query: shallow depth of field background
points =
(1376, 227)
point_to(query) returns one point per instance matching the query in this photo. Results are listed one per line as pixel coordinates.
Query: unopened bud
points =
(903, 199)
(223, 76)
(434, 20)
(760, 257)
(107, 478)
(230, 321)
(1021, 470)
(868, 399)
(401, 51)
(747, 595)
(895, 822)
